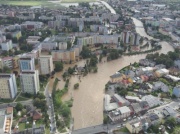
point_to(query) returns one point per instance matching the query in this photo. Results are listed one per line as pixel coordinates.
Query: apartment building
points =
(134, 40)
(45, 64)
(26, 63)
(8, 87)
(64, 55)
(6, 119)
(95, 39)
(125, 37)
(8, 62)
(6, 45)
(30, 81)
(32, 25)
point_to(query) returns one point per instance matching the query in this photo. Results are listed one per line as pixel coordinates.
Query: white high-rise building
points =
(8, 87)
(45, 64)
(30, 81)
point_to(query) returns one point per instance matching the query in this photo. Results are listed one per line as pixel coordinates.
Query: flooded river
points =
(87, 107)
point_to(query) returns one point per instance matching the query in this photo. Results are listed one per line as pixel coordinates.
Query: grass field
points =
(43, 3)
(32, 3)
(76, 1)
(23, 3)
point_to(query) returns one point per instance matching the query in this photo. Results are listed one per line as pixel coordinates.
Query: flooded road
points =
(87, 107)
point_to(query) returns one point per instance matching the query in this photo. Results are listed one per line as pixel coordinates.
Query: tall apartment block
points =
(30, 81)
(135, 37)
(26, 64)
(45, 64)
(29, 77)
(8, 87)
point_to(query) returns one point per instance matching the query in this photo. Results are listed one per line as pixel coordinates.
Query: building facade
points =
(8, 87)
(46, 64)
(30, 81)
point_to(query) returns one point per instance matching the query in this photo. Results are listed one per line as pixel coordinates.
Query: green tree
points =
(105, 119)
(123, 92)
(85, 53)
(58, 66)
(76, 86)
(70, 70)
(65, 111)
(93, 61)
(19, 107)
(171, 121)
(6, 70)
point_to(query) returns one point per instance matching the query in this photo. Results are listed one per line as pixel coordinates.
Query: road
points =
(98, 129)
(13, 104)
(109, 7)
(50, 111)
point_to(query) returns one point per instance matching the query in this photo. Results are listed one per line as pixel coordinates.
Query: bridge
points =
(91, 130)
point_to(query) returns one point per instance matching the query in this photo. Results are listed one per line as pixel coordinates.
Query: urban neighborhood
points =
(90, 67)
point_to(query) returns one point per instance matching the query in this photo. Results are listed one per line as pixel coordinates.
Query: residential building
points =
(64, 55)
(178, 22)
(135, 126)
(62, 45)
(26, 63)
(108, 106)
(96, 39)
(32, 25)
(120, 113)
(8, 87)
(125, 36)
(49, 44)
(117, 77)
(151, 100)
(16, 34)
(46, 64)
(154, 118)
(173, 78)
(177, 63)
(136, 108)
(6, 119)
(135, 38)
(146, 62)
(120, 100)
(32, 40)
(30, 81)
(6, 45)
(30, 16)
(8, 62)
(176, 91)
(161, 72)
(160, 86)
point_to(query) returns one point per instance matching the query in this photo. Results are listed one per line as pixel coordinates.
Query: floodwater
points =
(87, 107)
(140, 28)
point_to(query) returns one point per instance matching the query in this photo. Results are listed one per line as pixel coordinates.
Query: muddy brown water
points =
(87, 107)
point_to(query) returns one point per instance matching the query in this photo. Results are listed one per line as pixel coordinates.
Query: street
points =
(50, 111)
